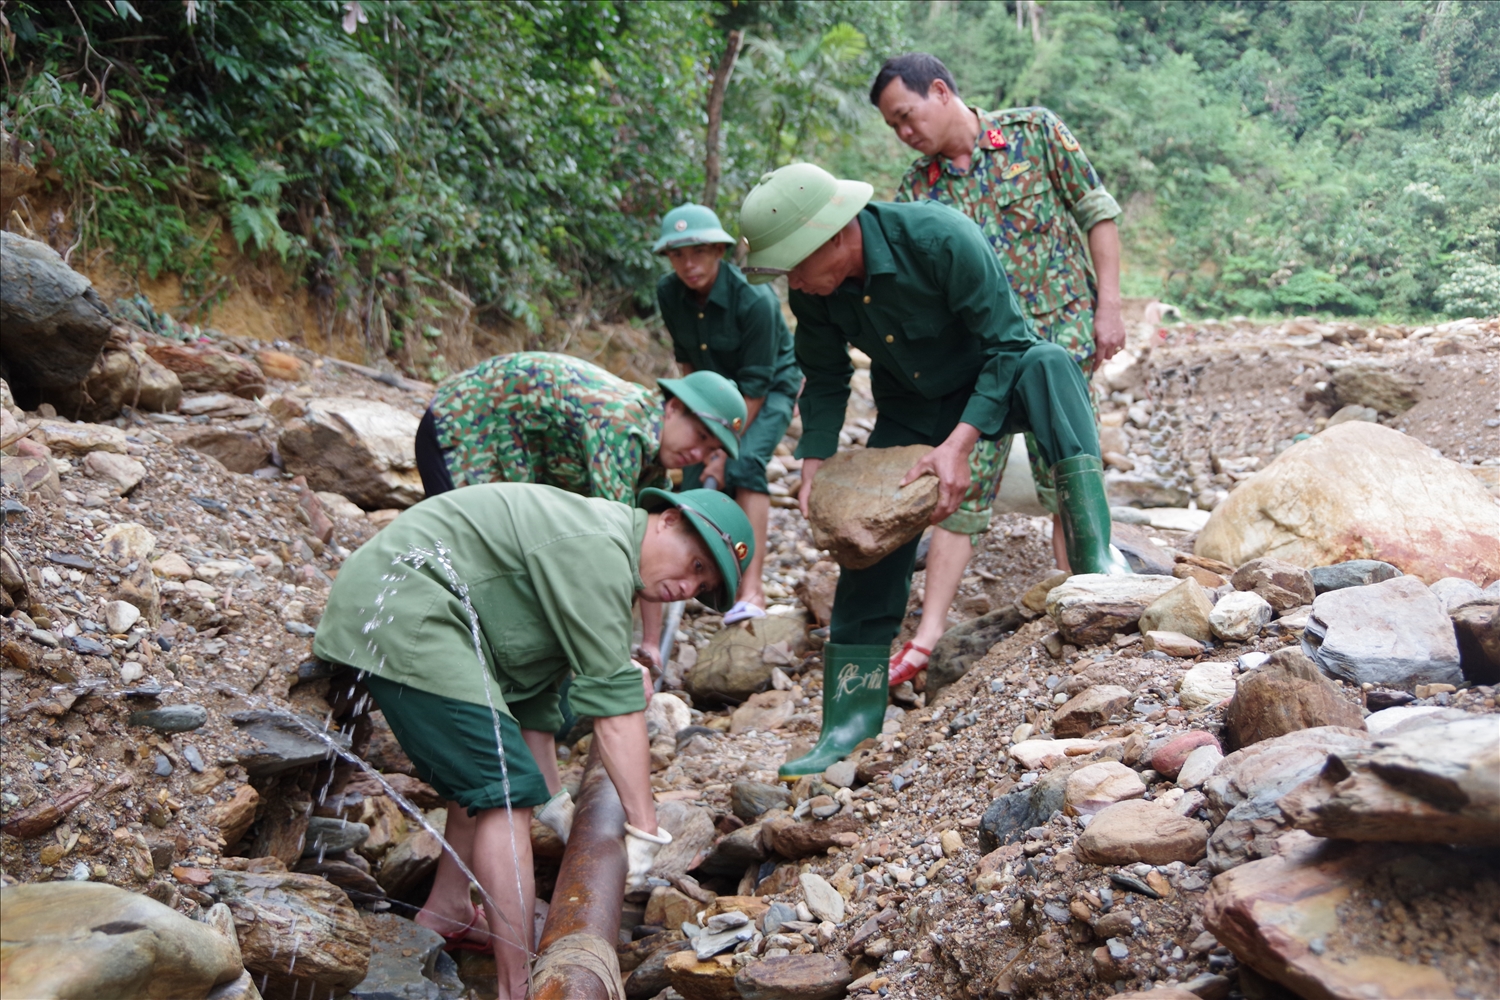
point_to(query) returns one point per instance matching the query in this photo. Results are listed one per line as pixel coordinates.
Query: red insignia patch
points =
(741, 550)
(933, 172)
(995, 137)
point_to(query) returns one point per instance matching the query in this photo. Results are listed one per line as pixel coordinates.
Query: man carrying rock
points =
(466, 613)
(954, 364)
(721, 323)
(1022, 176)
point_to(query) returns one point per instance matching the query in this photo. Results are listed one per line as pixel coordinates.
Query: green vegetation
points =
(509, 160)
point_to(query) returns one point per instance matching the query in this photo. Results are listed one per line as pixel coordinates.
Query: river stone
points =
(1168, 758)
(1173, 644)
(966, 643)
(1090, 608)
(1200, 764)
(816, 590)
(668, 713)
(407, 864)
(204, 368)
(404, 959)
(1453, 593)
(280, 742)
(823, 899)
(735, 852)
(1360, 491)
(693, 834)
(860, 513)
(299, 931)
(1089, 709)
(329, 835)
(1392, 634)
(800, 840)
(1206, 684)
(764, 711)
(1354, 573)
(1375, 385)
(732, 666)
(1183, 609)
(748, 799)
(700, 980)
(360, 448)
(1239, 617)
(171, 718)
(1282, 916)
(1103, 783)
(52, 323)
(31, 474)
(117, 944)
(1477, 629)
(1243, 792)
(121, 472)
(1135, 830)
(1039, 753)
(1284, 585)
(119, 616)
(795, 977)
(1437, 784)
(1285, 694)
(126, 542)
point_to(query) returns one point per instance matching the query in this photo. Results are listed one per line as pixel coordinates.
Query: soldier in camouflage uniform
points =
(1022, 176)
(560, 421)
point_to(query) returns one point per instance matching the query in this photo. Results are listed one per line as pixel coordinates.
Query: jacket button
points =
(890, 339)
(702, 347)
(867, 300)
(916, 374)
(700, 315)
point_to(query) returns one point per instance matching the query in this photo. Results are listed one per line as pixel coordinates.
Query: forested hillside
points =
(409, 158)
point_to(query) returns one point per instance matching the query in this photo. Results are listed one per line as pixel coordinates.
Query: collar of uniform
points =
(717, 295)
(728, 275)
(878, 257)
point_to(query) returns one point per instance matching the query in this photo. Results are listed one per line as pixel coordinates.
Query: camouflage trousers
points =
(1071, 328)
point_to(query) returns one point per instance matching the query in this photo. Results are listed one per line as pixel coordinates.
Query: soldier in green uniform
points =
(1022, 176)
(721, 323)
(558, 420)
(953, 361)
(467, 612)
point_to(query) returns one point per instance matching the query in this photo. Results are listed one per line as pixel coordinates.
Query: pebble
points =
(163, 765)
(90, 647)
(131, 671)
(194, 758)
(171, 719)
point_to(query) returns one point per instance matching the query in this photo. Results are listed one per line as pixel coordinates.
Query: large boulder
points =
(1437, 784)
(1329, 920)
(1361, 491)
(360, 448)
(1090, 608)
(1246, 787)
(1373, 384)
(86, 939)
(123, 375)
(738, 660)
(1391, 634)
(52, 323)
(859, 511)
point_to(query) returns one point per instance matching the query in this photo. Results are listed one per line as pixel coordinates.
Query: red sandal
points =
(902, 670)
(460, 940)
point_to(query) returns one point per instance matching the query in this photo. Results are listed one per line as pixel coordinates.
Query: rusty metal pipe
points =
(577, 951)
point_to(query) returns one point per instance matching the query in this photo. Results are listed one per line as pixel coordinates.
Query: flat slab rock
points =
(1092, 607)
(1327, 920)
(858, 509)
(795, 977)
(1391, 634)
(1437, 784)
(1133, 830)
(1089, 709)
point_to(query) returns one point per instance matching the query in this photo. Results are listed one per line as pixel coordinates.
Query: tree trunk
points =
(716, 116)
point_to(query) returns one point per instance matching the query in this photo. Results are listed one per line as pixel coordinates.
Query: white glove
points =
(557, 814)
(640, 854)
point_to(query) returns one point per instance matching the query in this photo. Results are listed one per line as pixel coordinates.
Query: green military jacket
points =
(539, 417)
(1033, 192)
(934, 313)
(550, 576)
(739, 332)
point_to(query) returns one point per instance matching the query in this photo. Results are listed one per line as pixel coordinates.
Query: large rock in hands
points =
(860, 512)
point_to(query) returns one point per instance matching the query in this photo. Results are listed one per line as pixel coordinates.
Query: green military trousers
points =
(1047, 396)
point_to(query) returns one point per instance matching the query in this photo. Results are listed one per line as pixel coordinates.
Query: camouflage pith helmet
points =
(724, 528)
(689, 225)
(793, 211)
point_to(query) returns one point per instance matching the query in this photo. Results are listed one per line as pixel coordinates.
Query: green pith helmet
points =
(792, 212)
(687, 225)
(716, 401)
(724, 528)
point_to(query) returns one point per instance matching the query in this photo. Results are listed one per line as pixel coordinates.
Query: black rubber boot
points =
(854, 700)
(1084, 508)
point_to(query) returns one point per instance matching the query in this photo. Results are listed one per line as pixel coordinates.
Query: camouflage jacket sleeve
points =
(1074, 178)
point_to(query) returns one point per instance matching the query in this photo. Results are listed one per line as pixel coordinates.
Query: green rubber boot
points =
(1084, 508)
(854, 699)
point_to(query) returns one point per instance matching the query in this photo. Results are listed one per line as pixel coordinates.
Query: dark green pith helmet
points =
(724, 528)
(689, 225)
(716, 401)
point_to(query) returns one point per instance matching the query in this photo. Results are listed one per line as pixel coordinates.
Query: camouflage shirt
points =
(550, 419)
(1034, 193)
